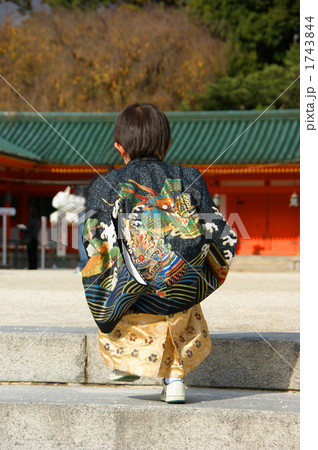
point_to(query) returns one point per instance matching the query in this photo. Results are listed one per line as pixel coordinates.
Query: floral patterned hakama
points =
(157, 346)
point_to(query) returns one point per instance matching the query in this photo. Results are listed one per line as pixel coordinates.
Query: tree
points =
(256, 90)
(258, 32)
(103, 60)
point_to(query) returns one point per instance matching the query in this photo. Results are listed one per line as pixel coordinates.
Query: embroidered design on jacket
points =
(140, 242)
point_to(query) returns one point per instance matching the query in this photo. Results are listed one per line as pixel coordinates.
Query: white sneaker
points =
(118, 375)
(174, 392)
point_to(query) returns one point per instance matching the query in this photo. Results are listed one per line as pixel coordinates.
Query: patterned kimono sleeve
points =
(100, 235)
(220, 237)
(216, 227)
(109, 287)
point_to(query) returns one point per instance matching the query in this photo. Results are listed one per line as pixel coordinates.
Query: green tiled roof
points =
(12, 149)
(197, 137)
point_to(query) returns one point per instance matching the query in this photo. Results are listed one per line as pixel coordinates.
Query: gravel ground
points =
(248, 301)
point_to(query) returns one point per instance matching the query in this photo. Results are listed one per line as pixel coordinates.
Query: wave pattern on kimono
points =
(150, 250)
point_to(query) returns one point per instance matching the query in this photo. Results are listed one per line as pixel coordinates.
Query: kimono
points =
(157, 247)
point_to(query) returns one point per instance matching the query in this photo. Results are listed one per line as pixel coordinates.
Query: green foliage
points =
(262, 53)
(256, 90)
(259, 31)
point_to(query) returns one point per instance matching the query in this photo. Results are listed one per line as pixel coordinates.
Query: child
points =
(153, 257)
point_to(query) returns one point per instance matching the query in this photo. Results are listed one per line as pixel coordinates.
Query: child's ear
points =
(122, 152)
(120, 148)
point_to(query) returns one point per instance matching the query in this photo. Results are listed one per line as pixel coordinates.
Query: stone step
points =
(71, 355)
(121, 417)
(266, 263)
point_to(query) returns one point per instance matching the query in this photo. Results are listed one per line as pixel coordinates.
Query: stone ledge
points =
(57, 355)
(133, 417)
(65, 355)
(265, 263)
(237, 360)
(245, 360)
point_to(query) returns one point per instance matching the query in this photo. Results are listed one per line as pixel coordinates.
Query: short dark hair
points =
(143, 130)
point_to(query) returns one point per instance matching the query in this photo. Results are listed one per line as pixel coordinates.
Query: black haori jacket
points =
(156, 242)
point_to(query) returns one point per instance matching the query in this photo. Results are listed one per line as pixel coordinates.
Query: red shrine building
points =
(250, 162)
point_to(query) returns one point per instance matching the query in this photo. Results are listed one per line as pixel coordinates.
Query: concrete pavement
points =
(248, 301)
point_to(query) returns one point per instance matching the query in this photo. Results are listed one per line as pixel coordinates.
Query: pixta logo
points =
(74, 215)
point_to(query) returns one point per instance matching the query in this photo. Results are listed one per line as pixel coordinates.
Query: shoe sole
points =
(125, 378)
(173, 399)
